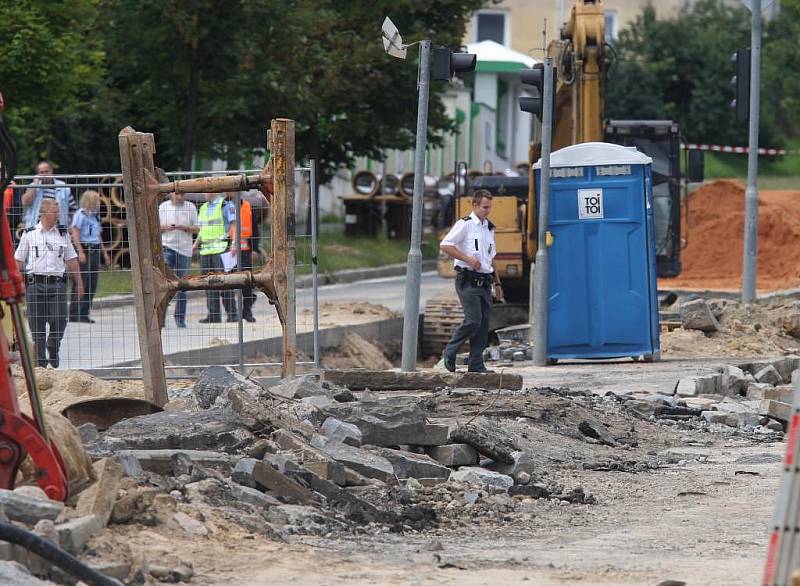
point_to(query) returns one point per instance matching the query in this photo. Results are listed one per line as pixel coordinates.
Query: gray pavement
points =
(113, 338)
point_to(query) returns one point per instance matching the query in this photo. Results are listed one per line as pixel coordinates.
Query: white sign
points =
(590, 204)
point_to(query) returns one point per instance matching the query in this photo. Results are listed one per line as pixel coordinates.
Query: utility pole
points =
(414, 266)
(751, 193)
(541, 273)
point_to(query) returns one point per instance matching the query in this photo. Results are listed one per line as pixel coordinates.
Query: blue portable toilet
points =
(602, 291)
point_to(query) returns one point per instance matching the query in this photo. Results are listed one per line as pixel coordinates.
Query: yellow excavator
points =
(582, 60)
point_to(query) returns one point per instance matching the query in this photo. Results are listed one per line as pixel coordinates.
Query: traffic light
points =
(740, 83)
(446, 63)
(535, 77)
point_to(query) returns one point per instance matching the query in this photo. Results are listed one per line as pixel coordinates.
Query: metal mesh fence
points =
(98, 331)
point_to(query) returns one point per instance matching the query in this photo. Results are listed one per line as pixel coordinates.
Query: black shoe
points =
(449, 363)
(210, 320)
(483, 370)
(85, 320)
(54, 362)
(232, 318)
(73, 318)
(249, 318)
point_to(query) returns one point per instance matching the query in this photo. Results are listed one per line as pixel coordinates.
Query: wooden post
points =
(136, 152)
(281, 147)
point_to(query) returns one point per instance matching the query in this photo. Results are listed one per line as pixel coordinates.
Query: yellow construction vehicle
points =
(582, 60)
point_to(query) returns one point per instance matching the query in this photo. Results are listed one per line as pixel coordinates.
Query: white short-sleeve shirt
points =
(45, 252)
(473, 238)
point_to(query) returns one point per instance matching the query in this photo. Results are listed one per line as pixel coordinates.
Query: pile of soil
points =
(715, 233)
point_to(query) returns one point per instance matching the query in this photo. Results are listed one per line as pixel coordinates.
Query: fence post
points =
(281, 147)
(136, 152)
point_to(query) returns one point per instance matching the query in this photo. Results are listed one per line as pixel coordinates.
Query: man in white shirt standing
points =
(471, 243)
(178, 219)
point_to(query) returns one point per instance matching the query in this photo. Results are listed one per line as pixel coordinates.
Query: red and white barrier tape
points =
(737, 149)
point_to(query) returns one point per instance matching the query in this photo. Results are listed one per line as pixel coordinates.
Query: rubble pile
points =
(299, 458)
(752, 397)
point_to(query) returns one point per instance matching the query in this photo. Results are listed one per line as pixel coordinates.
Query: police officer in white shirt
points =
(45, 253)
(471, 243)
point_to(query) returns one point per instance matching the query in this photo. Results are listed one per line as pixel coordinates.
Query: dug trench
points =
(444, 479)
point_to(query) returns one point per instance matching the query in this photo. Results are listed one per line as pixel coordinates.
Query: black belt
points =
(475, 278)
(45, 278)
(90, 245)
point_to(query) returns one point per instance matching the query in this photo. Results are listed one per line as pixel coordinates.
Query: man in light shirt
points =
(178, 219)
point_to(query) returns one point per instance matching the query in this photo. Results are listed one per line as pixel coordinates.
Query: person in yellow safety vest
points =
(246, 259)
(215, 218)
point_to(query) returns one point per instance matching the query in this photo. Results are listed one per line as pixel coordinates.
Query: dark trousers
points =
(248, 295)
(180, 265)
(46, 305)
(212, 263)
(477, 305)
(90, 273)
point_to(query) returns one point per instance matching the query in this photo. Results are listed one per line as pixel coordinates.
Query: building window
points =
(611, 25)
(491, 26)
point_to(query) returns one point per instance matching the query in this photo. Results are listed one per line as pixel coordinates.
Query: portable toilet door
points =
(602, 291)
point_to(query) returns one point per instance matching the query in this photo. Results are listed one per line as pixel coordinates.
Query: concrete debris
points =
(18, 506)
(99, 499)
(73, 535)
(380, 380)
(596, 431)
(163, 461)
(15, 574)
(188, 524)
(481, 476)
(214, 381)
(311, 457)
(362, 461)
(340, 431)
(384, 423)
(409, 465)
(298, 388)
(697, 315)
(453, 455)
(487, 440)
(776, 410)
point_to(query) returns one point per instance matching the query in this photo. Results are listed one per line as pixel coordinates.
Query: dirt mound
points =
(356, 352)
(713, 257)
(338, 314)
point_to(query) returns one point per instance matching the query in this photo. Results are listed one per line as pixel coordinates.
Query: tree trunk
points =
(187, 146)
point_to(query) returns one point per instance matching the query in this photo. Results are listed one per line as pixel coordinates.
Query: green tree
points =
(680, 68)
(206, 76)
(48, 58)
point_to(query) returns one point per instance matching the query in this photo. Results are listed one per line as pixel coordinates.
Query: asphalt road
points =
(113, 338)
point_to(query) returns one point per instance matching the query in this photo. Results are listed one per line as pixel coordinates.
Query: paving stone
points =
(776, 409)
(162, 461)
(73, 535)
(488, 478)
(697, 315)
(769, 374)
(410, 465)
(99, 498)
(339, 431)
(700, 385)
(388, 423)
(362, 461)
(759, 391)
(702, 403)
(28, 509)
(454, 454)
(298, 388)
(253, 496)
(175, 430)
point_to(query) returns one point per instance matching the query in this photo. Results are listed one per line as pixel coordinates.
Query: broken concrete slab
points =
(410, 465)
(597, 431)
(481, 476)
(161, 461)
(73, 535)
(389, 423)
(253, 496)
(759, 391)
(697, 315)
(343, 432)
(28, 509)
(698, 385)
(381, 380)
(775, 409)
(486, 439)
(298, 388)
(310, 457)
(255, 474)
(99, 498)
(312, 409)
(362, 461)
(769, 374)
(175, 430)
(523, 464)
(453, 454)
(190, 525)
(215, 380)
